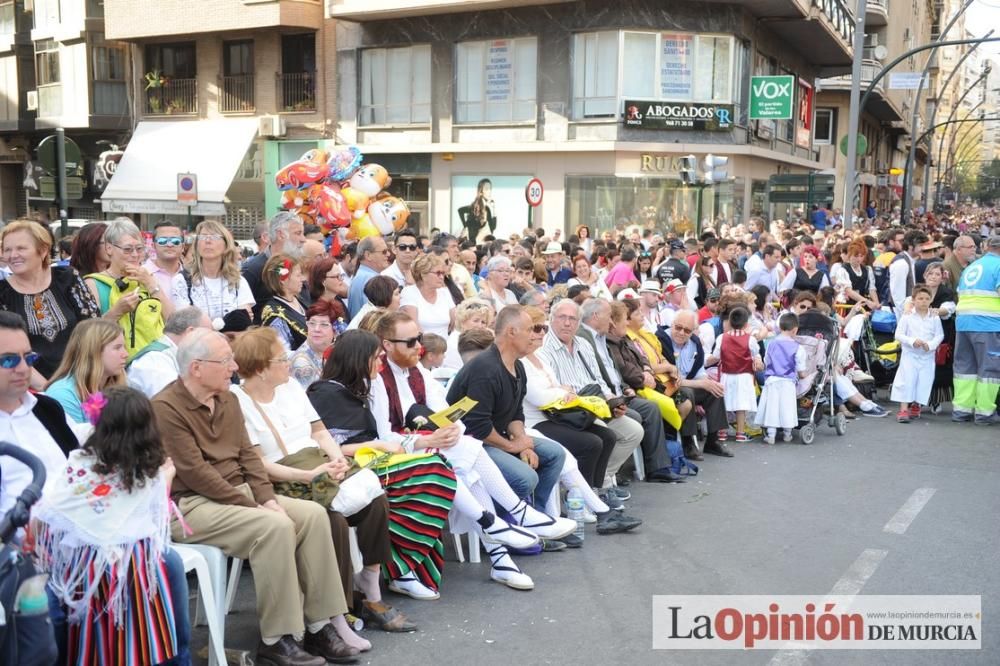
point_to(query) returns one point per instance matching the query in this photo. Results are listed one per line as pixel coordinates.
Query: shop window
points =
(396, 86)
(823, 127)
(496, 80)
(108, 65)
(667, 66)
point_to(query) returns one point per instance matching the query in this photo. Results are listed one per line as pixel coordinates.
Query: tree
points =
(988, 186)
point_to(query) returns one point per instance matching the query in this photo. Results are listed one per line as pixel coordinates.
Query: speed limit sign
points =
(533, 192)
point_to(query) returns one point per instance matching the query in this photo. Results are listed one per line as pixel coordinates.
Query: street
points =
(783, 519)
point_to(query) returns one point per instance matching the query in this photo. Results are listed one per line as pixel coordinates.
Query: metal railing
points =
(173, 96)
(879, 4)
(869, 70)
(237, 94)
(840, 17)
(297, 92)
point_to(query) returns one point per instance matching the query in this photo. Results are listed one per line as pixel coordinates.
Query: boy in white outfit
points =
(919, 332)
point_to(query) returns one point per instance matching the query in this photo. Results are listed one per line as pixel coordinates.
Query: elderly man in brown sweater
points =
(224, 494)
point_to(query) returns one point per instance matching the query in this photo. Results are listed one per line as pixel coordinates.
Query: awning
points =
(146, 178)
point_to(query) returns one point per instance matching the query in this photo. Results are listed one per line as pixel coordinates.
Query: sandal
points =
(385, 617)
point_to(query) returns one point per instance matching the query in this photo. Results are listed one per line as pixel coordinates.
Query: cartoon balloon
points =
(370, 179)
(329, 207)
(343, 163)
(388, 213)
(302, 173)
(362, 227)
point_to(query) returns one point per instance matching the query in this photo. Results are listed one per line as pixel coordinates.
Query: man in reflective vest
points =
(977, 343)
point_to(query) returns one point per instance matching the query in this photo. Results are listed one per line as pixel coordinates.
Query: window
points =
(176, 61)
(7, 25)
(297, 81)
(496, 80)
(237, 58)
(675, 67)
(396, 86)
(47, 62)
(298, 54)
(237, 77)
(46, 14)
(824, 133)
(108, 65)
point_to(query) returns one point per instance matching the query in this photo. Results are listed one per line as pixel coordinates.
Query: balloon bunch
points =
(340, 194)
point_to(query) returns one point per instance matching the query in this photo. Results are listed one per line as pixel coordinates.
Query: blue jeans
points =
(176, 580)
(527, 482)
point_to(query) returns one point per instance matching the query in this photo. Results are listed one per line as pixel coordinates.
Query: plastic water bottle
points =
(574, 510)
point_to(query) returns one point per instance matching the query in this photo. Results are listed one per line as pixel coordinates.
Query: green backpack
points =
(141, 326)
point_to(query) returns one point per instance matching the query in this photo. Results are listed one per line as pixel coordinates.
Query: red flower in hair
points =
(284, 270)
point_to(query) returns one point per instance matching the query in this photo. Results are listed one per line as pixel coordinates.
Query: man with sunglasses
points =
(35, 423)
(373, 258)
(168, 245)
(406, 251)
(684, 349)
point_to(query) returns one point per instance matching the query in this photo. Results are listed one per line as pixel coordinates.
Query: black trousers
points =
(591, 447)
(372, 523)
(715, 413)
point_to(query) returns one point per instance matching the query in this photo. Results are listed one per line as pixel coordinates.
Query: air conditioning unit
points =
(271, 126)
(866, 163)
(871, 40)
(32, 100)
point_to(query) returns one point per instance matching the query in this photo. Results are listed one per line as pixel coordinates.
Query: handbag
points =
(348, 496)
(943, 354)
(577, 418)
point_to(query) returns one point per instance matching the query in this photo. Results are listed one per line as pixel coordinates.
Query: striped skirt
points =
(420, 493)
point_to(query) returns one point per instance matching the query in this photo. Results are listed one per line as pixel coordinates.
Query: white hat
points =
(553, 248)
(673, 286)
(627, 295)
(650, 287)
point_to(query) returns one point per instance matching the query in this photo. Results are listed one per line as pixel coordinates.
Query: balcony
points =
(237, 94)
(296, 92)
(130, 20)
(876, 14)
(879, 105)
(172, 97)
(379, 10)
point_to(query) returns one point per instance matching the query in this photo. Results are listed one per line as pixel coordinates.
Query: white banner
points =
(500, 71)
(817, 622)
(906, 81)
(676, 77)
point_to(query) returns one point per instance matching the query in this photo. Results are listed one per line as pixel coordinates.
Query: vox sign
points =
(771, 97)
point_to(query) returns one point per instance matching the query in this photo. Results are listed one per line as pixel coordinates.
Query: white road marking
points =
(850, 584)
(906, 514)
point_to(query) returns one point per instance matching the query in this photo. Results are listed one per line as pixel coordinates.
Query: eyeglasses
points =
(409, 342)
(224, 361)
(713, 300)
(540, 328)
(336, 276)
(131, 249)
(280, 359)
(12, 360)
(440, 273)
(315, 323)
(163, 241)
(210, 237)
(406, 247)
(682, 329)
(566, 318)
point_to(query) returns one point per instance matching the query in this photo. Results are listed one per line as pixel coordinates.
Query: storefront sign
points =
(771, 97)
(676, 80)
(678, 115)
(660, 163)
(499, 71)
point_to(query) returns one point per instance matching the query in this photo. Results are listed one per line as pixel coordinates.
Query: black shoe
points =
(622, 479)
(717, 448)
(286, 652)
(611, 499)
(553, 546)
(615, 523)
(665, 475)
(572, 541)
(693, 454)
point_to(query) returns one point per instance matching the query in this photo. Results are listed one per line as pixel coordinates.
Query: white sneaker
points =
(859, 376)
(787, 436)
(505, 571)
(542, 524)
(768, 439)
(589, 517)
(503, 533)
(409, 586)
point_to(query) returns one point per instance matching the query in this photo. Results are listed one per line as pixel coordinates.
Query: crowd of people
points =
(268, 406)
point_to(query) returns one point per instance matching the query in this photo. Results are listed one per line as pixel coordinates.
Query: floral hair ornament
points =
(284, 270)
(93, 406)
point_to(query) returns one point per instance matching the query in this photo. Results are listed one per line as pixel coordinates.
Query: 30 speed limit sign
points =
(533, 192)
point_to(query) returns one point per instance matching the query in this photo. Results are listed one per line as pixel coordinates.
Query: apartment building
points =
(457, 97)
(228, 90)
(887, 120)
(58, 69)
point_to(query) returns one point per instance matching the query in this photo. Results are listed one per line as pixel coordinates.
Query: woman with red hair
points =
(854, 277)
(325, 320)
(807, 277)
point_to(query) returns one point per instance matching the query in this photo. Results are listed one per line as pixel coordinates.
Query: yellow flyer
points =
(453, 413)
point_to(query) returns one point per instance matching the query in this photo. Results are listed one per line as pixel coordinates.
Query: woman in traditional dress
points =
(284, 312)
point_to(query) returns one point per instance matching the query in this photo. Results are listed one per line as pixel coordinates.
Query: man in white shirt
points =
(155, 365)
(35, 423)
(766, 272)
(168, 244)
(405, 248)
(902, 271)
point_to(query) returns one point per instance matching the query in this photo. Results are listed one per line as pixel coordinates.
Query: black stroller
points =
(820, 336)
(25, 639)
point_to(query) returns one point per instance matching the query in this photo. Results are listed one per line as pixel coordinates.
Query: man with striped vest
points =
(977, 342)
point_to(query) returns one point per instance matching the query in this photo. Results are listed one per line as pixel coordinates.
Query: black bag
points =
(577, 418)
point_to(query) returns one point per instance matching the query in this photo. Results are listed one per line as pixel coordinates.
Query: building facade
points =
(467, 99)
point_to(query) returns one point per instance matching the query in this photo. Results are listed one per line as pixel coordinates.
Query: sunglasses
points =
(540, 328)
(407, 247)
(683, 329)
(12, 360)
(163, 241)
(409, 342)
(440, 273)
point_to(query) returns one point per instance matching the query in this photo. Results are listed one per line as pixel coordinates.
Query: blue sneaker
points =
(876, 412)
(622, 493)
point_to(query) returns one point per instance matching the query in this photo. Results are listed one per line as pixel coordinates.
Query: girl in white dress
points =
(919, 333)
(739, 357)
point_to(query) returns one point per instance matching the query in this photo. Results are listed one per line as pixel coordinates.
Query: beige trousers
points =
(294, 565)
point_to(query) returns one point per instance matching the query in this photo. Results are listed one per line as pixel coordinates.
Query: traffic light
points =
(689, 169)
(715, 169)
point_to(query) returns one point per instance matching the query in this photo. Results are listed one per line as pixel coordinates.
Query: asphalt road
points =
(783, 519)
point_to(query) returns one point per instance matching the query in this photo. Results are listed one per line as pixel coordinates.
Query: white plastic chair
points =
(209, 565)
(640, 466)
(473, 548)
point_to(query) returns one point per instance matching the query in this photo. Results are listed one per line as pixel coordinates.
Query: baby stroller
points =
(879, 350)
(819, 336)
(26, 639)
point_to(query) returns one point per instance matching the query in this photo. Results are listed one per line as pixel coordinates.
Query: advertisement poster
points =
(676, 80)
(483, 204)
(803, 125)
(499, 71)
(678, 115)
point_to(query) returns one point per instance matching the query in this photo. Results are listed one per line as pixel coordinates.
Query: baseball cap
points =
(627, 295)
(553, 248)
(650, 287)
(672, 286)
(677, 245)
(713, 293)
(994, 241)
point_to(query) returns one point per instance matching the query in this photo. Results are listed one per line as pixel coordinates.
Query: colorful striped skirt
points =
(420, 492)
